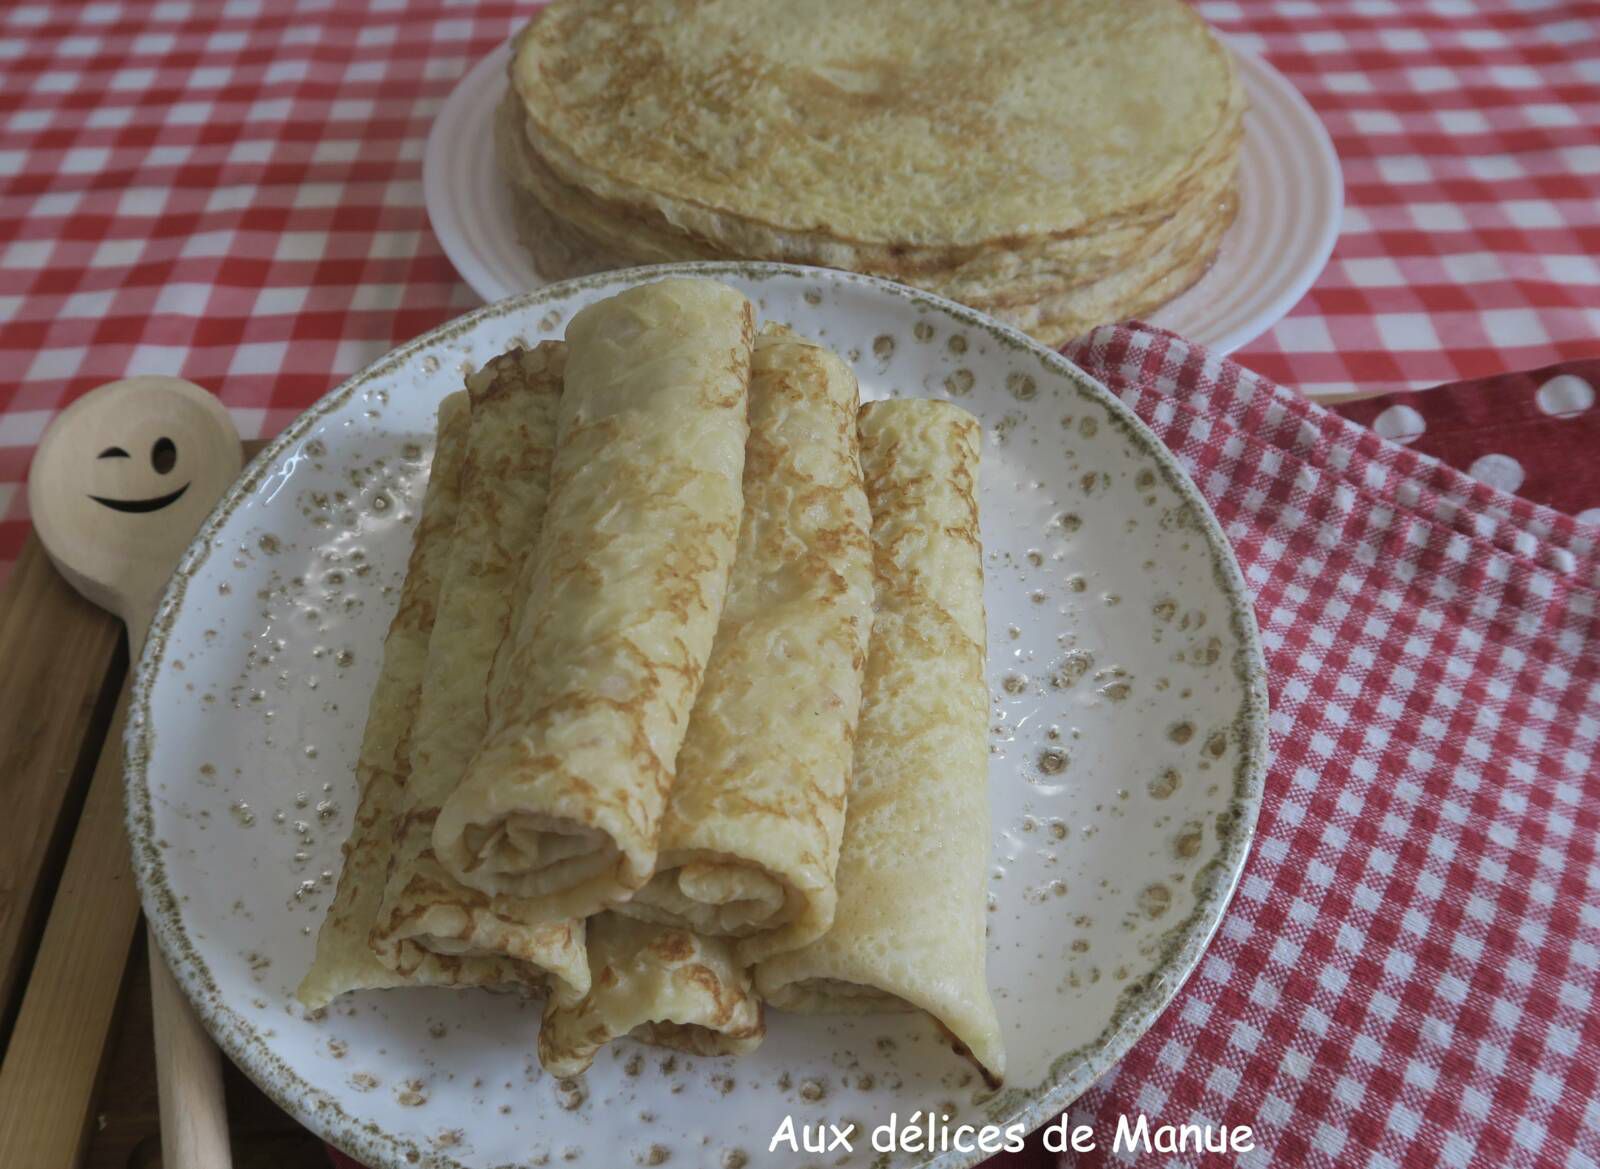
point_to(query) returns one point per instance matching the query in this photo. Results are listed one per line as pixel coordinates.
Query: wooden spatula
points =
(121, 482)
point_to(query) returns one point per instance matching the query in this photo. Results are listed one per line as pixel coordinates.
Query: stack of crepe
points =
(1058, 165)
(683, 708)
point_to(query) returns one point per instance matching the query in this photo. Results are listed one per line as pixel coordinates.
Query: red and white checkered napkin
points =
(1409, 972)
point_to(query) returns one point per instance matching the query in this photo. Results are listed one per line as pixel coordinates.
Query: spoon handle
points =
(194, 1117)
(194, 1112)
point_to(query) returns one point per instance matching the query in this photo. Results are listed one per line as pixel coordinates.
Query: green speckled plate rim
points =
(1068, 1076)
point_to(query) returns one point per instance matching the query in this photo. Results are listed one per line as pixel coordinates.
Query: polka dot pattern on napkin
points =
(1564, 395)
(1535, 433)
(1399, 424)
(1500, 471)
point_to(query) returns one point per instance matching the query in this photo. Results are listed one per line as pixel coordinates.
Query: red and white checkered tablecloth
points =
(230, 190)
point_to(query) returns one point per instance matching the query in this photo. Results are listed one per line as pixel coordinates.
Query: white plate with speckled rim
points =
(1291, 200)
(1128, 750)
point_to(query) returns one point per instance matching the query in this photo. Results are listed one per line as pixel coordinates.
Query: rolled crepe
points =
(659, 984)
(503, 487)
(909, 928)
(564, 800)
(344, 961)
(750, 839)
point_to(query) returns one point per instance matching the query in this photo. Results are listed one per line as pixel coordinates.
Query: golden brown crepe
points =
(564, 800)
(751, 835)
(659, 984)
(909, 928)
(1019, 158)
(504, 483)
(344, 961)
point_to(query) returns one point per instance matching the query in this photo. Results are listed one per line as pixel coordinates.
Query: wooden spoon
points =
(121, 482)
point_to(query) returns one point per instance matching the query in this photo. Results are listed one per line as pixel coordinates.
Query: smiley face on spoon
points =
(163, 458)
(124, 477)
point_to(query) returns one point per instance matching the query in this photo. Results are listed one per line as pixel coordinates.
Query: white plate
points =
(1128, 752)
(1291, 197)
